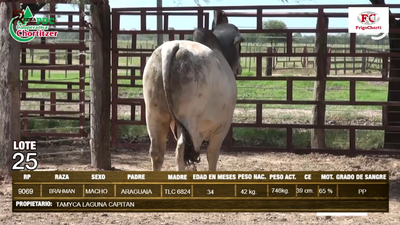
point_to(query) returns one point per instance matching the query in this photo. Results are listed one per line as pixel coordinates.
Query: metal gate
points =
(132, 79)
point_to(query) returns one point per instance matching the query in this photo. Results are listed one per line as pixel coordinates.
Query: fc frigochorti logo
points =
(368, 18)
(369, 21)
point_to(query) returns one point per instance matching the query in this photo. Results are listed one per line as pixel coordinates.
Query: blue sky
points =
(189, 22)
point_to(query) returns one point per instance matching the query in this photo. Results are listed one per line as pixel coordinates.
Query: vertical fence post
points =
(68, 57)
(344, 62)
(268, 70)
(25, 78)
(32, 54)
(160, 36)
(127, 61)
(250, 60)
(100, 85)
(114, 86)
(10, 125)
(246, 58)
(305, 58)
(328, 66)
(363, 61)
(336, 69)
(82, 72)
(318, 117)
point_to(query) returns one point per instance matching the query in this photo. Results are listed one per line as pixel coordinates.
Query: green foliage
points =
(274, 24)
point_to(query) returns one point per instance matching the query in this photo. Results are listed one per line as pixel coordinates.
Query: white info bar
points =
(342, 214)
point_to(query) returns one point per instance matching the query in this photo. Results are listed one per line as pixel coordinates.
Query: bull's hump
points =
(194, 47)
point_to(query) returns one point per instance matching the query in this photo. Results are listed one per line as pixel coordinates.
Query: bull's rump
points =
(202, 86)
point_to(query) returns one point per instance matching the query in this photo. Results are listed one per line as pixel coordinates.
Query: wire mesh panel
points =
(54, 84)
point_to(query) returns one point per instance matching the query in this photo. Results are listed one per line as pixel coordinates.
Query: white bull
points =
(191, 88)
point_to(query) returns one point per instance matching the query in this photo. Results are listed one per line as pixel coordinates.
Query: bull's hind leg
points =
(214, 146)
(213, 149)
(180, 148)
(158, 131)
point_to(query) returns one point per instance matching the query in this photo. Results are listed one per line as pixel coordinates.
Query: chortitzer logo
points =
(28, 27)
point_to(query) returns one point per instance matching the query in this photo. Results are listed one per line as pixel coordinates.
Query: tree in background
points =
(274, 37)
(268, 37)
(47, 8)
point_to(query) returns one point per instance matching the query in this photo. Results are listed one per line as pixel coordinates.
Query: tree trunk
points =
(392, 138)
(100, 85)
(318, 111)
(10, 126)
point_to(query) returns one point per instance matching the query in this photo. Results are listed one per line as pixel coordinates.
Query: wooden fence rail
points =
(335, 64)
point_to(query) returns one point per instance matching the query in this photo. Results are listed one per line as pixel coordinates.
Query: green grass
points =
(269, 90)
(302, 138)
(52, 125)
(303, 90)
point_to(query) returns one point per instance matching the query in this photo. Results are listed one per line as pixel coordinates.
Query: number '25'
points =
(30, 157)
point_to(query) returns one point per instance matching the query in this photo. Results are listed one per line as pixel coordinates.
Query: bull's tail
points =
(167, 53)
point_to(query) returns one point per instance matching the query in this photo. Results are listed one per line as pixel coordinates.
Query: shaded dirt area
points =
(78, 158)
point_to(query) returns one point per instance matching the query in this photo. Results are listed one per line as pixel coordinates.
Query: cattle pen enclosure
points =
(274, 111)
(271, 90)
(273, 121)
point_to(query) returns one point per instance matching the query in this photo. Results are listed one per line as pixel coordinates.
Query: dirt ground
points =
(138, 160)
